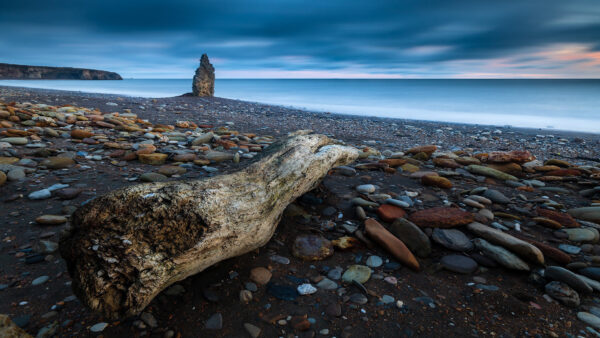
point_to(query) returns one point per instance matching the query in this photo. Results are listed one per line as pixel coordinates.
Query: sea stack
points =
(204, 79)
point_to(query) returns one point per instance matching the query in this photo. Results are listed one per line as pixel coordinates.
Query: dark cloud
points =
(427, 37)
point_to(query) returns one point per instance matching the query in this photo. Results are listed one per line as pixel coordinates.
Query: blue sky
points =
(308, 39)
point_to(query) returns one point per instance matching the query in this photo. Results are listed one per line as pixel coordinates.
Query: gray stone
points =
(149, 319)
(412, 236)
(153, 177)
(500, 255)
(459, 264)
(563, 293)
(215, 322)
(452, 239)
(40, 280)
(99, 327)
(563, 275)
(252, 330)
(496, 196)
(40, 194)
(327, 284)
(366, 188)
(374, 261)
(16, 174)
(359, 273)
(570, 249)
(359, 298)
(589, 319)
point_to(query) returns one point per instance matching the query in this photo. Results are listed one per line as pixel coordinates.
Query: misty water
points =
(549, 104)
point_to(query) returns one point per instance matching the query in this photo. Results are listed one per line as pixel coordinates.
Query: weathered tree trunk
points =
(127, 246)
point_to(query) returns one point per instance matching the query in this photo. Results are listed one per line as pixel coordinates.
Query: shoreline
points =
(63, 149)
(341, 116)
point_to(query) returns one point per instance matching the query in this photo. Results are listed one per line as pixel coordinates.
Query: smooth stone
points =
(312, 247)
(68, 193)
(496, 196)
(57, 162)
(40, 280)
(170, 170)
(306, 289)
(590, 214)
(411, 235)
(500, 255)
(149, 319)
(218, 156)
(260, 275)
(99, 327)
(17, 141)
(336, 273)
(51, 219)
(591, 272)
(582, 234)
(459, 264)
(485, 171)
(327, 284)
(215, 322)
(366, 188)
(570, 249)
(441, 217)
(563, 275)
(391, 243)
(16, 174)
(589, 319)
(202, 139)
(387, 299)
(153, 177)
(452, 239)
(253, 331)
(359, 273)
(364, 203)
(563, 293)
(398, 203)
(359, 298)
(522, 248)
(40, 194)
(374, 261)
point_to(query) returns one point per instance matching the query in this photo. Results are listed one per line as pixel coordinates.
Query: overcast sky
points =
(299, 39)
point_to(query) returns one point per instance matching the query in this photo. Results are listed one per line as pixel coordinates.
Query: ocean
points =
(548, 104)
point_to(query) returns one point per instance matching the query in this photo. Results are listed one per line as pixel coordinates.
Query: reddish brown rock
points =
(428, 149)
(80, 134)
(509, 168)
(516, 156)
(547, 222)
(389, 212)
(564, 219)
(185, 157)
(393, 162)
(391, 243)
(145, 149)
(446, 163)
(436, 181)
(548, 251)
(467, 160)
(564, 172)
(441, 217)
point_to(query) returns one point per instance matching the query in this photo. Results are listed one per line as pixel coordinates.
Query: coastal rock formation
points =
(22, 72)
(127, 246)
(204, 79)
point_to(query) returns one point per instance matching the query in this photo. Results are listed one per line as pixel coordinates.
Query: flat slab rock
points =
(441, 217)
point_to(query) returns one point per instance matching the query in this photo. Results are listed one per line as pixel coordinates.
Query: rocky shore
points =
(438, 229)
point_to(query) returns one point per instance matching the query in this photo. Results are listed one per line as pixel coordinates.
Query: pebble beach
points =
(438, 229)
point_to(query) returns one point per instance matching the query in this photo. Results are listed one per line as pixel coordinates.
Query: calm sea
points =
(549, 104)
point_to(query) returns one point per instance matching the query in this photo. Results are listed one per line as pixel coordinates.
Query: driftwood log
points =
(125, 247)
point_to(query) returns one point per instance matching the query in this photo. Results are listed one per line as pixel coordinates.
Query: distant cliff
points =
(21, 72)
